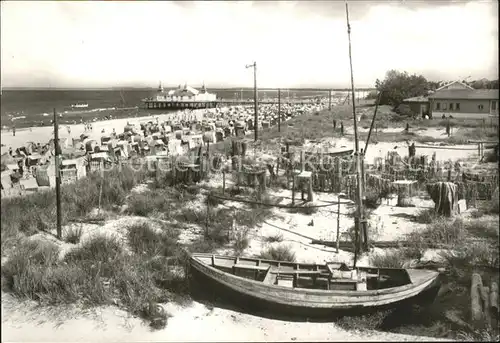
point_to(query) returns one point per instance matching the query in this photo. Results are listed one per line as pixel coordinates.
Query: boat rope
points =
(290, 231)
(274, 205)
(443, 148)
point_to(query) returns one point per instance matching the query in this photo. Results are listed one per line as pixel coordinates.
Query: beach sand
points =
(24, 321)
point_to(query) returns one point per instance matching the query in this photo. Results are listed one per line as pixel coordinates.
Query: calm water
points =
(23, 108)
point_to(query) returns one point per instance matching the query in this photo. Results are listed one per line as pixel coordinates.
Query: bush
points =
(372, 200)
(404, 110)
(462, 262)
(279, 253)
(145, 240)
(73, 235)
(274, 238)
(426, 216)
(393, 259)
(241, 242)
(99, 248)
(143, 204)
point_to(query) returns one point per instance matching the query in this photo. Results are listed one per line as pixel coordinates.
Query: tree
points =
(398, 86)
(484, 84)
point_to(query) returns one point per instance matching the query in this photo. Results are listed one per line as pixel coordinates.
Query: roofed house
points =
(418, 104)
(460, 100)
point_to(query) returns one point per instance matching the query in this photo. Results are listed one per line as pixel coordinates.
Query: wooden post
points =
(279, 110)
(278, 163)
(363, 175)
(101, 168)
(338, 223)
(329, 100)
(58, 175)
(223, 181)
(338, 167)
(206, 219)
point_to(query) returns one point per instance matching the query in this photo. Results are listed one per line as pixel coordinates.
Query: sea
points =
(31, 108)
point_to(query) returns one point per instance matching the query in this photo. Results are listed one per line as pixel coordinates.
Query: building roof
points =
(479, 94)
(446, 86)
(183, 91)
(417, 99)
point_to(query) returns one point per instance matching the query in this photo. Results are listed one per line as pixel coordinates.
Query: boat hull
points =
(261, 299)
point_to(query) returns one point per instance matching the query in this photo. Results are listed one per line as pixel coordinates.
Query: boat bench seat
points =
(246, 266)
(343, 281)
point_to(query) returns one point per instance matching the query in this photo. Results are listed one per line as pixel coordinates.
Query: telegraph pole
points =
(58, 175)
(256, 124)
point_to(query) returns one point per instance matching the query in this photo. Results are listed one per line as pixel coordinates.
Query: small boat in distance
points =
(80, 105)
(312, 290)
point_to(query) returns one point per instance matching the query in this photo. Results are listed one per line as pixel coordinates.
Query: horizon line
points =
(174, 87)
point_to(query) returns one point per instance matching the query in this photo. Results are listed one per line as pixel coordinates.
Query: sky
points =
(295, 44)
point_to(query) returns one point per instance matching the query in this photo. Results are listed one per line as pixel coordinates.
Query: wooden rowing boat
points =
(311, 290)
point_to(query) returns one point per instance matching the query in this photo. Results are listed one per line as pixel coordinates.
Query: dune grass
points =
(37, 212)
(98, 272)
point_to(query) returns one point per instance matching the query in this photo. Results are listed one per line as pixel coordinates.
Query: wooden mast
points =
(359, 191)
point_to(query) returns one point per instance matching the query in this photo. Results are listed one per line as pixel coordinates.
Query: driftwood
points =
(494, 299)
(485, 297)
(454, 318)
(475, 297)
(445, 197)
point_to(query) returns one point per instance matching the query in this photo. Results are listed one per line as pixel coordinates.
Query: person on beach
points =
(10, 151)
(14, 131)
(342, 128)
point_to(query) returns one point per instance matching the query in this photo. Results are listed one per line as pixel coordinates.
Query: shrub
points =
(372, 321)
(426, 216)
(392, 259)
(372, 200)
(404, 110)
(274, 238)
(441, 230)
(241, 241)
(145, 240)
(99, 248)
(144, 204)
(73, 235)
(279, 253)
(475, 255)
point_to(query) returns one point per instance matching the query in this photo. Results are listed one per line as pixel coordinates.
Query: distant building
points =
(419, 104)
(181, 97)
(458, 100)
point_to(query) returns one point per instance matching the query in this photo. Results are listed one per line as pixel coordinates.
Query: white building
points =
(186, 93)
